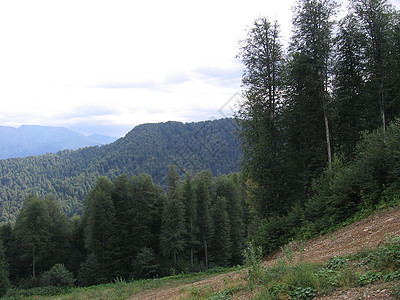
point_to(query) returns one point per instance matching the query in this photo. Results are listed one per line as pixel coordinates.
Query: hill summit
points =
(147, 148)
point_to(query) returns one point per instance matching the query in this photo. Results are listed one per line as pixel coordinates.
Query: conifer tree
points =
(221, 245)
(147, 208)
(308, 96)
(376, 18)
(259, 115)
(351, 110)
(4, 279)
(204, 220)
(173, 218)
(100, 231)
(190, 203)
(124, 238)
(229, 187)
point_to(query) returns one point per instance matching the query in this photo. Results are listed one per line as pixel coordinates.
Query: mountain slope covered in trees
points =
(148, 148)
(28, 140)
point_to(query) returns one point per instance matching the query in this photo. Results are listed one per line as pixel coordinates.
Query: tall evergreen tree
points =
(231, 188)
(376, 18)
(190, 204)
(306, 111)
(350, 107)
(173, 219)
(259, 117)
(204, 220)
(146, 214)
(100, 231)
(221, 246)
(123, 215)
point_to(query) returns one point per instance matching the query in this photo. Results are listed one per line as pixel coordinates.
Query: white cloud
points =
(128, 61)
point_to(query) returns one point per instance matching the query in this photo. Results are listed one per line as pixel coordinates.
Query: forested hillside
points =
(148, 148)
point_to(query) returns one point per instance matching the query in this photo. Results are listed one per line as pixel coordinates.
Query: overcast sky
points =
(107, 66)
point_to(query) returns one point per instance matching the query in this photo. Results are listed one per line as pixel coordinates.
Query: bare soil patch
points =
(368, 233)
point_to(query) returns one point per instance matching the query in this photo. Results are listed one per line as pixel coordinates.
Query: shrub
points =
(253, 260)
(337, 262)
(58, 276)
(303, 293)
(369, 278)
(388, 255)
(146, 265)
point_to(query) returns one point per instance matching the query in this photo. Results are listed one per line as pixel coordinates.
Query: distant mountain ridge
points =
(147, 148)
(28, 140)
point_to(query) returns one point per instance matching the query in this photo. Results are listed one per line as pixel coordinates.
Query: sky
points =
(106, 66)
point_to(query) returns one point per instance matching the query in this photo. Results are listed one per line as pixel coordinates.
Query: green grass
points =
(301, 280)
(285, 280)
(118, 290)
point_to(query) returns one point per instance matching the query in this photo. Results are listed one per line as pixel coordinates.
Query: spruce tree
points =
(231, 188)
(308, 95)
(100, 231)
(204, 220)
(173, 218)
(190, 203)
(376, 19)
(123, 215)
(221, 246)
(259, 116)
(351, 110)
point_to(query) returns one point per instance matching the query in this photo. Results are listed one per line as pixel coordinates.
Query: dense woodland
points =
(320, 143)
(149, 148)
(319, 132)
(131, 228)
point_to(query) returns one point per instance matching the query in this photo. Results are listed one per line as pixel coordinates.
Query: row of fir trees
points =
(130, 228)
(308, 104)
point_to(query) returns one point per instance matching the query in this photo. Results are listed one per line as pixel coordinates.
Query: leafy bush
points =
(253, 260)
(387, 256)
(369, 278)
(58, 276)
(146, 265)
(303, 293)
(392, 276)
(39, 291)
(337, 262)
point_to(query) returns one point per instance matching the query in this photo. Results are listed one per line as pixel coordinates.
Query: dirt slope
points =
(367, 233)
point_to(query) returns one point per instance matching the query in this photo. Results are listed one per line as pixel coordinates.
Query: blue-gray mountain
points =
(148, 148)
(30, 140)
